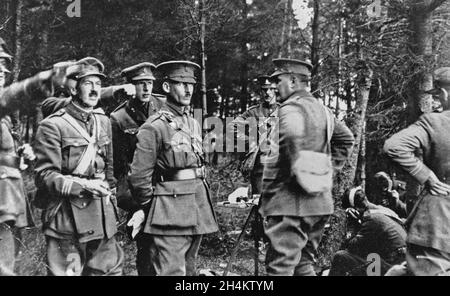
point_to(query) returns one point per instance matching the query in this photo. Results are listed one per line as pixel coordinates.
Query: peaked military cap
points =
(442, 75)
(180, 71)
(86, 67)
(266, 81)
(142, 71)
(291, 66)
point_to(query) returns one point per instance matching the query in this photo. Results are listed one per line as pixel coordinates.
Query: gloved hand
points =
(136, 222)
(26, 151)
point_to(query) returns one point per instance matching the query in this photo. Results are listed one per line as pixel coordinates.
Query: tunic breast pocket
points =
(175, 204)
(180, 143)
(72, 148)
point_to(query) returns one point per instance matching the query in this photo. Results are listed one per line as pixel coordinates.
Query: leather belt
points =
(10, 161)
(186, 174)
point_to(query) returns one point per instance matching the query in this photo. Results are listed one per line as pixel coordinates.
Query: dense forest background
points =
(372, 59)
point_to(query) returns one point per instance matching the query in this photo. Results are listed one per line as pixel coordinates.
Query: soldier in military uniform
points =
(428, 240)
(167, 177)
(262, 114)
(295, 219)
(13, 203)
(125, 121)
(76, 186)
(63, 97)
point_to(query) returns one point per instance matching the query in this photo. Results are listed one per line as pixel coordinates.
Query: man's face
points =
(2, 79)
(284, 86)
(180, 92)
(269, 94)
(89, 90)
(144, 90)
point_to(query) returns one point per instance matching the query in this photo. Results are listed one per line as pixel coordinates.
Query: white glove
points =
(136, 222)
(27, 152)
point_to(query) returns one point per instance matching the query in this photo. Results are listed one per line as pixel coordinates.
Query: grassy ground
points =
(214, 252)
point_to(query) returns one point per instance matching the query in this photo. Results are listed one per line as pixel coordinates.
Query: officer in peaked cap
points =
(441, 77)
(262, 114)
(62, 91)
(296, 215)
(167, 178)
(126, 120)
(75, 181)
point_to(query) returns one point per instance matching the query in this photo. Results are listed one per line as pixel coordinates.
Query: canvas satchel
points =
(314, 170)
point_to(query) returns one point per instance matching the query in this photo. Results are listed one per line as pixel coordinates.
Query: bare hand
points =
(437, 187)
(97, 187)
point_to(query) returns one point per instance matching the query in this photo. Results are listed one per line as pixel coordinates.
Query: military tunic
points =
(429, 227)
(71, 214)
(302, 126)
(125, 121)
(170, 141)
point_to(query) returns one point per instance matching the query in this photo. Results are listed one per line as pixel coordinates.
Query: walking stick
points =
(241, 235)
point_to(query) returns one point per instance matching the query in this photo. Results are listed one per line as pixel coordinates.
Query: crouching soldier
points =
(377, 231)
(167, 178)
(76, 186)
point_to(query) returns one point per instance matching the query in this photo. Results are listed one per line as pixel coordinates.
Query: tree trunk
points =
(203, 55)
(18, 5)
(17, 39)
(364, 84)
(290, 28)
(315, 55)
(339, 57)
(244, 61)
(421, 46)
(283, 30)
(360, 178)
